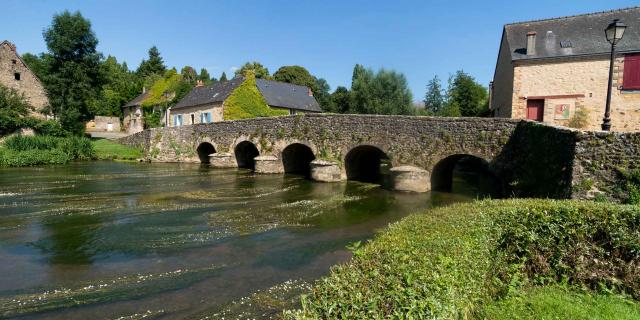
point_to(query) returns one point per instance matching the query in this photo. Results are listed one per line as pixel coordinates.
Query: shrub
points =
(35, 150)
(451, 261)
(629, 185)
(49, 128)
(10, 158)
(580, 119)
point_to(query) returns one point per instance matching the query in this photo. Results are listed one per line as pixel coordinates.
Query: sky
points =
(420, 39)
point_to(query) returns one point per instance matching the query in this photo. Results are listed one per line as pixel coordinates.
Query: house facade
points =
(132, 114)
(205, 104)
(15, 74)
(557, 70)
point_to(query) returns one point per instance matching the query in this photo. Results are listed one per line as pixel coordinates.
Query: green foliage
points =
(580, 119)
(450, 262)
(301, 76)
(557, 302)
(629, 185)
(36, 150)
(384, 92)
(121, 86)
(13, 109)
(154, 65)
(205, 77)
(109, 150)
(434, 99)
(339, 101)
(74, 77)
(470, 97)
(259, 71)
(246, 101)
(223, 77)
(49, 128)
(189, 74)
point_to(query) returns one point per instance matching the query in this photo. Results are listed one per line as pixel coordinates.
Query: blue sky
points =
(418, 38)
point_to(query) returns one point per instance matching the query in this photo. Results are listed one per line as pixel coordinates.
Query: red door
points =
(535, 109)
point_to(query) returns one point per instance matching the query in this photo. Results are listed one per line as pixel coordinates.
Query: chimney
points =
(199, 83)
(309, 92)
(531, 43)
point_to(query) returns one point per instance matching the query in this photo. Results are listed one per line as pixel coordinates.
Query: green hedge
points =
(21, 151)
(449, 262)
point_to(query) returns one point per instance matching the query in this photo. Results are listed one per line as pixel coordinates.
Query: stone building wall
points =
(578, 83)
(132, 120)
(214, 108)
(11, 67)
(102, 123)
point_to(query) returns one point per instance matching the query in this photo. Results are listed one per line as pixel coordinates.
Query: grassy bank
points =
(454, 262)
(20, 151)
(110, 150)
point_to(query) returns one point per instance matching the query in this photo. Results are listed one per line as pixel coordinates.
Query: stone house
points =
(15, 74)
(132, 114)
(205, 104)
(556, 70)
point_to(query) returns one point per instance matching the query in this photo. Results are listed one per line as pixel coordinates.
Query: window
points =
(631, 75)
(177, 120)
(292, 112)
(16, 76)
(205, 117)
(14, 61)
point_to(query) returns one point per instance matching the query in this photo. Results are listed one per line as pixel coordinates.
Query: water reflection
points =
(111, 239)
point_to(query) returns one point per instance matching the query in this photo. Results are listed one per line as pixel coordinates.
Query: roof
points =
(573, 35)
(137, 100)
(287, 95)
(217, 92)
(276, 94)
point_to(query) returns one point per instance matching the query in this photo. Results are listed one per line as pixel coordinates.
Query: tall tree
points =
(434, 99)
(321, 91)
(260, 71)
(189, 74)
(384, 92)
(340, 101)
(468, 95)
(223, 77)
(205, 77)
(121, 85)
(74, 71)
(154, 65)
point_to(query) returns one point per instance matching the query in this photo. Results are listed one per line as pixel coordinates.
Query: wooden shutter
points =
(631, 78)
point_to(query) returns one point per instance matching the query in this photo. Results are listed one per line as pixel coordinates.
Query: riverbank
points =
(486, 259)
(21, 151)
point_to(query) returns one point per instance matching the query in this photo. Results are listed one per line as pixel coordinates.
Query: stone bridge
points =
(405, 152)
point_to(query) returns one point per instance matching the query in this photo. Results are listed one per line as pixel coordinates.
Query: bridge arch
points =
(204, 149)
(296, 158)
(465, 173)
(245, 152)
(366, 163)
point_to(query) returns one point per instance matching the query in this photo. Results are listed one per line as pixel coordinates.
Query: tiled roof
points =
(137, 100)
(287, 95)
(217, 92)
(574, 35)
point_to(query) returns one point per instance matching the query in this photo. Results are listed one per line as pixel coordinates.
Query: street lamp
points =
(614, 33)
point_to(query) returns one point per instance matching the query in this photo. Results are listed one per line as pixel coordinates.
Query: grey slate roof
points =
(286, 95)
(277, 94)
(137, 100)
(575, 35)
(217, 92)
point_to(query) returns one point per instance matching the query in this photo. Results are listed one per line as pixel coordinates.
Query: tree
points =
(260, 71)
(13, 109)
(434, 99)
(189, 74)
(384, 92)
(154, 65)
(121, 85)
(223, 77)
(74, 76)
(469, 96)
(205, 77)
(339, 101)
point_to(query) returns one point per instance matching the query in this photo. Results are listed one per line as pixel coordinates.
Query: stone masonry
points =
(15, 74)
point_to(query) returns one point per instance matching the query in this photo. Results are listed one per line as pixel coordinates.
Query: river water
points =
(112, 240)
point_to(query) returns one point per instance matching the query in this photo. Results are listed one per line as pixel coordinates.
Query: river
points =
(114, 240)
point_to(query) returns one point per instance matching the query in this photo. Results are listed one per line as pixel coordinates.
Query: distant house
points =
(132, 111)
(556, 69)
(206, 104)
(15, 74)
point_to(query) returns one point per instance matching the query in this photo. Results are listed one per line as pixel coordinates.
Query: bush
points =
(35, 150)
(10, 158)
(49, 128)
(629, 185)
(450, 262)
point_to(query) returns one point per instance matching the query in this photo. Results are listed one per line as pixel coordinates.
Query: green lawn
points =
(555, 302)
(109, 150)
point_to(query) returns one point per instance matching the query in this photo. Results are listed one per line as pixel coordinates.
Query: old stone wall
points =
(577, 84)
(102, 123)
(16, 75)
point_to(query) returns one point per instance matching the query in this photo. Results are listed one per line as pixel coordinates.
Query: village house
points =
(15, 74)
(132, 114)
(205, 104)
(557, 70)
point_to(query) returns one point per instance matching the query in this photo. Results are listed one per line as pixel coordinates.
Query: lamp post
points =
(614, 33)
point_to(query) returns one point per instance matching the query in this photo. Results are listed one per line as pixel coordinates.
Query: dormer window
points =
(16, 76)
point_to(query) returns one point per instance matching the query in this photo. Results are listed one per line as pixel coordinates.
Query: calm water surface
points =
(109, 240)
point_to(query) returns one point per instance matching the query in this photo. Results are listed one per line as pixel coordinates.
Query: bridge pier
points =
(223, 160)
(410, 178)
(326, 171)
(268, 164)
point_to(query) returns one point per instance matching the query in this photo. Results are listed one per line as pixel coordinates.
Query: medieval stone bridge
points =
(404, 152)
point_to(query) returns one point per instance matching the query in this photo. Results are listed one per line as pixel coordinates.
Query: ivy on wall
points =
(246, 102)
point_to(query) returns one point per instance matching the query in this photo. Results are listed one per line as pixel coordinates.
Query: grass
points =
(20, 151)
(450, 262)
(559, 303)
(109, 150)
